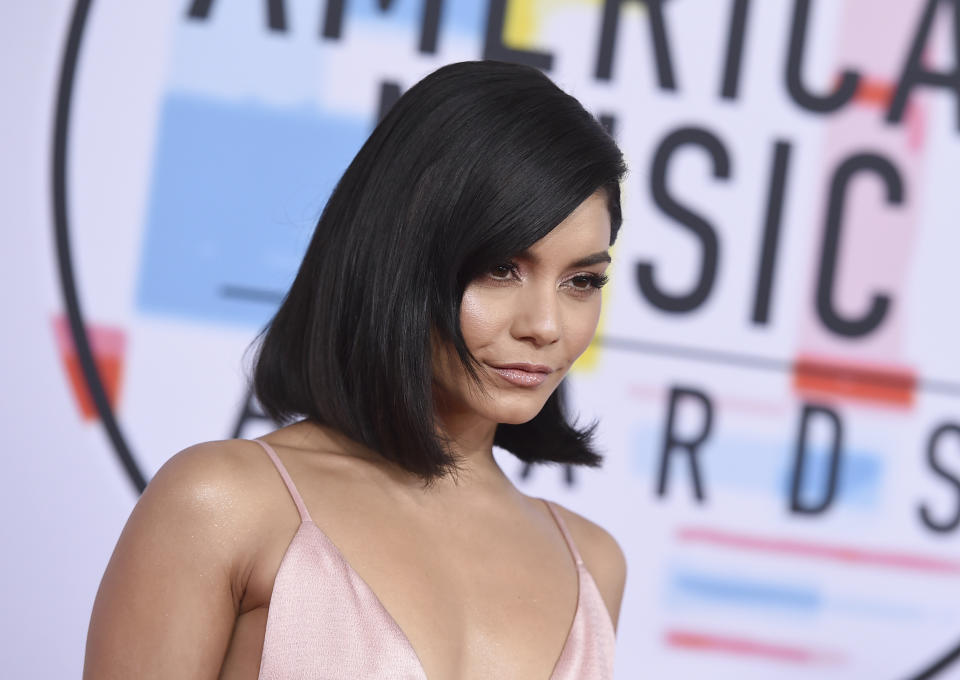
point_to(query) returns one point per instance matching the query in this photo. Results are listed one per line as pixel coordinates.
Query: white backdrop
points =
(774, 371)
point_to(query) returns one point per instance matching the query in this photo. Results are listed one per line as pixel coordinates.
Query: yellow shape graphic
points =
(523, 19)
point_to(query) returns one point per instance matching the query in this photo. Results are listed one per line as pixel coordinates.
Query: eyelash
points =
(595, 281)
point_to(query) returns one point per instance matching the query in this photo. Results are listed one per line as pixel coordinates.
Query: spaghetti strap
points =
(566, 533)
(291, 487)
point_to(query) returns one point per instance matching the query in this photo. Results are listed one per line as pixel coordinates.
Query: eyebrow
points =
(589, 260)
(596, 258)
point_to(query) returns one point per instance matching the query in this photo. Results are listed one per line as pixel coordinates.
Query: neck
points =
(471, 440)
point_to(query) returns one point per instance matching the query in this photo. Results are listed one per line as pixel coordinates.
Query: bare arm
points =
(169, 597)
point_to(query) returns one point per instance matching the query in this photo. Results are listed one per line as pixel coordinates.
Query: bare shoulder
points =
(226, 461)
(183, 556)
(212, 476)
(602, 555)
(218, 487)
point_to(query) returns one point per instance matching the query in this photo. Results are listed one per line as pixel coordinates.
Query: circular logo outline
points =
(89, 370)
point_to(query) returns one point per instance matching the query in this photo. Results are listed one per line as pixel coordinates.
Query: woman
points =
(452, 280)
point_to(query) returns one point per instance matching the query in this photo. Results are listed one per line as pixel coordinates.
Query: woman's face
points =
(528, 319)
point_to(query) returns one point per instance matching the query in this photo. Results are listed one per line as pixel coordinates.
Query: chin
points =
(516, 419)
(516, 412)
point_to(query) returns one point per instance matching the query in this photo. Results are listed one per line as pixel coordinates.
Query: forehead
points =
(584, 231)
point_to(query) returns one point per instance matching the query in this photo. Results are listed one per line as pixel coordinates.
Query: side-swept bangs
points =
(474, 164)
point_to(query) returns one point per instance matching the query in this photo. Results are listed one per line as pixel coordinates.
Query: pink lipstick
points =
(523, 375)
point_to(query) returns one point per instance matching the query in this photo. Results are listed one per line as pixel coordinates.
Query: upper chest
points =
(473, 598)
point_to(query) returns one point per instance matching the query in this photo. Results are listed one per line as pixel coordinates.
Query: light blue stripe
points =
(236, 191)
(745, 592)
(764, 467)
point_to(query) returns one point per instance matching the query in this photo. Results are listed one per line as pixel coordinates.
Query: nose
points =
(537, 316)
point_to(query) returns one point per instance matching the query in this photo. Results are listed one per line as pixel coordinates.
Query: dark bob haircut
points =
(471, 166)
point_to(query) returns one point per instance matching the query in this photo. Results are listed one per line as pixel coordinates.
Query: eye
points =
(587, 283)
(504, 271)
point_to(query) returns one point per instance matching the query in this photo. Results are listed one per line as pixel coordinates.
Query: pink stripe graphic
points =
(707, 642)
(847, 554)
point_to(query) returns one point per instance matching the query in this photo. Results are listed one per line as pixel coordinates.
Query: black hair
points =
(471, 166)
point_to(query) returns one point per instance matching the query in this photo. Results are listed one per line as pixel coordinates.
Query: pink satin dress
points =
(325, 622)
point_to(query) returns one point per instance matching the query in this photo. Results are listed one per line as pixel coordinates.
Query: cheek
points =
(582, 326)
(483, 315)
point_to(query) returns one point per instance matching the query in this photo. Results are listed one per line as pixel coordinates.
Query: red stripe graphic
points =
(108, 345)
(847, 554)
(693, 640)
(874, 93)
(888, 385)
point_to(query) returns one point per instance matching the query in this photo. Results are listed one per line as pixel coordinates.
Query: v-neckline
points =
(393, 622)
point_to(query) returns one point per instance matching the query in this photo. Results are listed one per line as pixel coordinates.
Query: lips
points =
(521, 374)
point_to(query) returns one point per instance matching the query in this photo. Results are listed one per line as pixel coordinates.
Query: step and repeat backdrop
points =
(775, 371)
